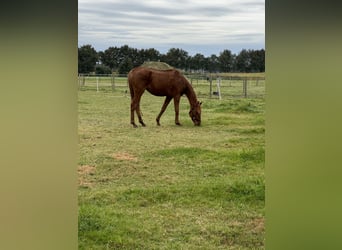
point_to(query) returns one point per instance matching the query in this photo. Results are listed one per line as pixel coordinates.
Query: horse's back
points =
(138, 75)
(158, 82)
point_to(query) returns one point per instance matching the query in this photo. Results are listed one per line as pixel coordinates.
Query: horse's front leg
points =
(166, 102)
(176, 100)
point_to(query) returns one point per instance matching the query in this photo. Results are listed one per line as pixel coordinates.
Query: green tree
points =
(102, 69)
(198, 62)
(115, 57)
(125, 66)
(243, 61)
(213, 63)
(110, 57)
(87, 58)
(257, 60)
(226, 60)
(177, 58)
(149, 55)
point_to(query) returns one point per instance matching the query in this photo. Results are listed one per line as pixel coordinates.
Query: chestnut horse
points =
(170, 83)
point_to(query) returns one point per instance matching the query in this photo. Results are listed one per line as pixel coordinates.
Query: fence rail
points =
(206, 86)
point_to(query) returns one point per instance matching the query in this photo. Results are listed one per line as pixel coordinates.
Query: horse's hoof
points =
(134, 126)
(178, 124)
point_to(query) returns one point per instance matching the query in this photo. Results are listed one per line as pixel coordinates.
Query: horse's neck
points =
(190, 94)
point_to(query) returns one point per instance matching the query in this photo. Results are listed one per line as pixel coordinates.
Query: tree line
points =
(123, 59)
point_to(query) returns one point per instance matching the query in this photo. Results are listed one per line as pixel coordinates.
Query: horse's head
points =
(195, 114)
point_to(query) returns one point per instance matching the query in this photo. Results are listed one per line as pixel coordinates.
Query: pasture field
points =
(170, 187)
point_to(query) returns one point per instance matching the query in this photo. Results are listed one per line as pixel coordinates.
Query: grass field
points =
(170, 187)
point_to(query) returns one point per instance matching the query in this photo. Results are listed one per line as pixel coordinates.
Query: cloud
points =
(158, 23)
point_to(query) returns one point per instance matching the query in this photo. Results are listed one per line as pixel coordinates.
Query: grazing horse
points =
(170, 83)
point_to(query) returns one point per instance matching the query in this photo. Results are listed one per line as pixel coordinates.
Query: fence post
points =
(81, 80)
(219, 87)
(210, 86)
(113, 82)
(97, 84)
(245, 87)
(78, 81)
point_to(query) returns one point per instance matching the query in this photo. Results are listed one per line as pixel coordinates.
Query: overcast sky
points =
(197, 26)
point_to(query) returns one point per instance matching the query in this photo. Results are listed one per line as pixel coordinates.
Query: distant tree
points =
(225, 61)
(113, 57)
(87, 58)
(100, 56)
(257, 60)
(102, 69)
(176, 57)
(110, 57)
(149, 55)
(127, 52)
(198, 62)
(243, 61)
(124, 58)
(125, 66)
(213, 63)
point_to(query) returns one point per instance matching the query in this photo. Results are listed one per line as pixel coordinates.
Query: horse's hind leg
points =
(140, 116)
(132, 114)
(135, 106)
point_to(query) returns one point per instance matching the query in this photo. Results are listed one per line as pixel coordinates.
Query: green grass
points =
(170, 187)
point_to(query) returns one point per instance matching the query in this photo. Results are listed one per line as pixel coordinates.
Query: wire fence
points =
(205, 86)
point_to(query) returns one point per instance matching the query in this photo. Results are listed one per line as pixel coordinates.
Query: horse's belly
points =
(158, 92)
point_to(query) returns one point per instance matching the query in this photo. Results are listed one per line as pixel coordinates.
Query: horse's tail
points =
(130, 84)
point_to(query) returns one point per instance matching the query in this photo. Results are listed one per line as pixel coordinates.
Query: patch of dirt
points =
(123, 156)
(257, 225)
(83, 172)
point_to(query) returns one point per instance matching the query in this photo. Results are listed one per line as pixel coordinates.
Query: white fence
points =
(207, 86)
